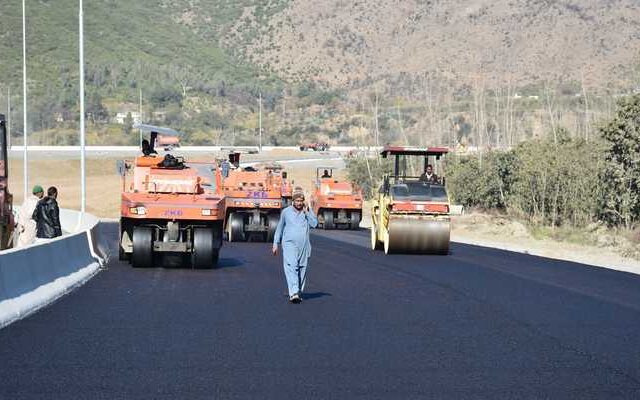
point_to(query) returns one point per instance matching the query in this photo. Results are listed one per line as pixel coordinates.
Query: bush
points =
(546, 182)
(557, 183)
(367, 173)
(485, 182)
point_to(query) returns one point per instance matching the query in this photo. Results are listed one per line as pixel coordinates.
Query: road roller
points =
(281, 182)
(172, 210)
(410, 213)
(254, 199)
(337, 203)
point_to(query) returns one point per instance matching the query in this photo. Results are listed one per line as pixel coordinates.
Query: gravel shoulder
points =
(488, 231)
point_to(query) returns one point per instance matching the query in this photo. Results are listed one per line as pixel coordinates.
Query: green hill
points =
(132, 40)
(129, 46)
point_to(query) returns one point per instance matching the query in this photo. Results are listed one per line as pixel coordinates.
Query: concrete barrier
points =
(34, 276)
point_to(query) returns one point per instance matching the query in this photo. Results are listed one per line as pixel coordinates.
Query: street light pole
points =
(9, 117)
(25, 163)
(141, 120)
(83, 178)
(260, 124)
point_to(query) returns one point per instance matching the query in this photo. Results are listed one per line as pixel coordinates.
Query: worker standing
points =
(26, 226)
(225, 166)
(47, 216)
(293, 233)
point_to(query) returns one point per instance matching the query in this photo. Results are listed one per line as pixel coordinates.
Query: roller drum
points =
(418, 234)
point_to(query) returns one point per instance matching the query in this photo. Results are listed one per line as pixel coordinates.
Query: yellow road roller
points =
(410, 213)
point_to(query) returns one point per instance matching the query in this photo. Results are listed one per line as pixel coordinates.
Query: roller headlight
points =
(140, 210)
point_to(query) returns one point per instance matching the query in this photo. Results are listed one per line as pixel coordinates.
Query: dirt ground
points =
(104, 185)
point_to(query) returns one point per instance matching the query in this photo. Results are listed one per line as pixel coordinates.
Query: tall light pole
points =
(9, 117)
(25, 164)
(260, 124)
(140, 112)
(83, 178)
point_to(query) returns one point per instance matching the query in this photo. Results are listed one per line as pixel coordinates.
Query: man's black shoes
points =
(295, 298)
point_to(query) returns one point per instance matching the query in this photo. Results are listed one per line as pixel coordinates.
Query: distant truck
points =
(167, 142)
(6, 200)
(314, 146)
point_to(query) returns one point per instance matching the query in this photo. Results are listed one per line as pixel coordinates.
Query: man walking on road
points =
(26, 227)
(293, 233)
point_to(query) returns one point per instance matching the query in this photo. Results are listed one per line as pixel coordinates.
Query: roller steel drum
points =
(418, 234)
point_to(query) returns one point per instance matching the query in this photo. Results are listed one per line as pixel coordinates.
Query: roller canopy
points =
(413, 151)
(158, 129)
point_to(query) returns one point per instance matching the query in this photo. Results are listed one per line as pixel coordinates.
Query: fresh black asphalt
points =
(477, 324)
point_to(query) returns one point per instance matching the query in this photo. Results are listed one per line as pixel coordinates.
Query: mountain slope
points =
(523, 41)
(142, 40)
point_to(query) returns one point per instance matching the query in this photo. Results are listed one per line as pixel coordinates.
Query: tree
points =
(621, 176)
(95, 109)
(128, 124)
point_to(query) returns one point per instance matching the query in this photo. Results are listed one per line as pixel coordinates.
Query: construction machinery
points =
(253, 202)
(411, 214)
(171, 210)
(338, 204)
(281, 182)
(6, 200)
(320, 146)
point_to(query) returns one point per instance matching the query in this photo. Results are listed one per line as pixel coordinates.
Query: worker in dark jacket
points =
(47, 216)
(428, 175)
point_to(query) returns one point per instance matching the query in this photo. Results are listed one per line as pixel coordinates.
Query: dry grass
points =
(103, 184)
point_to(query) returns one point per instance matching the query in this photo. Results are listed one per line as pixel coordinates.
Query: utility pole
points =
(260, 123)
(25, 163)
(83, 176)
(140, 111)
(9, 117)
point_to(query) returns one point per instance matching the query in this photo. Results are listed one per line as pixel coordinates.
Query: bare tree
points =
(549, 99)
(587, 123)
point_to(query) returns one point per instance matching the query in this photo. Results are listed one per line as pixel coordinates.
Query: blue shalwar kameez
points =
(293, 234)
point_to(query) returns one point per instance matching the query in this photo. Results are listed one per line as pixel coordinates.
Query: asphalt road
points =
(479, 323)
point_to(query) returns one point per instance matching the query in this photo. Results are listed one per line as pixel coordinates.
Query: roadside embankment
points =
(508, 234)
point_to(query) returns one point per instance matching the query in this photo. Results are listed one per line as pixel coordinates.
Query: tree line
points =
(558, 180)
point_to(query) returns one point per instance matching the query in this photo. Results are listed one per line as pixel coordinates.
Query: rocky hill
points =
(517, 41)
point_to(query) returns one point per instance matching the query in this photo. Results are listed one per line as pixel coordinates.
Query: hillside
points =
(349, 72)
(521, 41)
(133, 37)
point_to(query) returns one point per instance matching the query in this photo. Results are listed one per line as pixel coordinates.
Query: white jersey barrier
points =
(34, 276)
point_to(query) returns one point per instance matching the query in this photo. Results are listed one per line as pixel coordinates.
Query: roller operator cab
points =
(338, 204)
(254, 199)
(411, 211)
(6, 200)
(171, 209)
